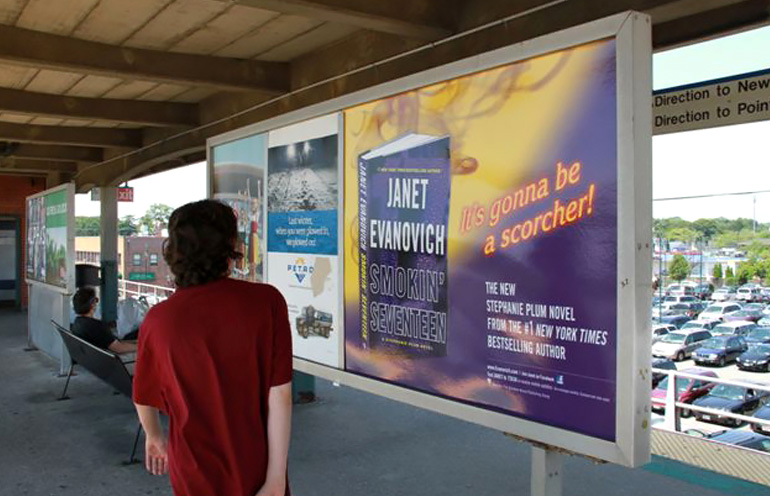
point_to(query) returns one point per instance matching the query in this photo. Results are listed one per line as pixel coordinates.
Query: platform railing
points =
(674, 408)
(140, 289)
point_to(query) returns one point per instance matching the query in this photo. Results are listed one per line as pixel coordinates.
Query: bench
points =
(103, 364)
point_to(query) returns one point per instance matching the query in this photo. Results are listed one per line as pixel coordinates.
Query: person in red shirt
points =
(216, 358)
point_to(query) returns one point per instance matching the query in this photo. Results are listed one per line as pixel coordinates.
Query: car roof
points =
(699, 371)
(736, 323)
(721, 304)
(687, 332)
(736, 437)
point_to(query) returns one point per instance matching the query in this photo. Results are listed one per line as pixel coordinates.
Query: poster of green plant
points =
(49, 236)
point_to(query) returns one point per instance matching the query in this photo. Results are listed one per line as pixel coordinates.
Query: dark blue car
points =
(676, 319)
(743, 439)
(764, 414)
(719, 350)
(756, 359)
(730, 398)
(758, 335)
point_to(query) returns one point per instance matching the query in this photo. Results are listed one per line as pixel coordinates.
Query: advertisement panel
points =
(238, 170)
(50, 237)
(495, 238)
(302, 204)
(481, 239)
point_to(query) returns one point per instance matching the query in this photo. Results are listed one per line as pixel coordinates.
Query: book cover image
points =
(404, 190)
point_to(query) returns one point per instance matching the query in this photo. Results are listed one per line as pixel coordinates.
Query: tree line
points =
(720, 232)
(151, 223)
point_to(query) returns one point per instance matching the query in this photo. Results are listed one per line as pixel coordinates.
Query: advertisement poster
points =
(238, 179)
(302, 204)
(47, 238)
(480, 239)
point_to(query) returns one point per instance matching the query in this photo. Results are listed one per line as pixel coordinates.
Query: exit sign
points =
(125, 194)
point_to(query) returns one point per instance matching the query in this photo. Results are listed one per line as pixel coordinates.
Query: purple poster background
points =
(570, 271)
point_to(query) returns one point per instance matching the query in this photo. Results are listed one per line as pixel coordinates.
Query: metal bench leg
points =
(67, 384)
(132, 459)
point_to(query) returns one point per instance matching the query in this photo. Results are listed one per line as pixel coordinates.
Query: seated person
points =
(93, 330)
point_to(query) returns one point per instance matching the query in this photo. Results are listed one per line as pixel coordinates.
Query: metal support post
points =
(109, 253)
(303, 388)
(547, 467)
(673, 417)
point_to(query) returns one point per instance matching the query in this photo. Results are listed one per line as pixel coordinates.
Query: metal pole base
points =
(546, 472)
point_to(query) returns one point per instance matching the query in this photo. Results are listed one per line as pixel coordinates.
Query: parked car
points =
(724, 294)
(755, 306)
(748, 294)
(719, 310)
(744, 314)
(719, 350)
(690, 309)
(680, 290)
(664, 364)
(764, 321)
(758, 335)
(680, 344)
(730, 398)
(687, 390)
(704, 291)
(734, 328)
(765, 294)
(756, 358)
(680, 299)
(660, 330)
(699, 323)
(764, 414)
(743, 439)
(675, 319)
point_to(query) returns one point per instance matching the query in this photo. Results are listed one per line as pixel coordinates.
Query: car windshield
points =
(722, 329)
(670, 299)
(681, 384)
(715, 343)
(692, 325)
(761, 348)
(673, 338)
(714, 309)
(727, 392)
(754, 307)
(760, 334)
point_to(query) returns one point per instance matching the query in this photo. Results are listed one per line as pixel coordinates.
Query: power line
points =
(742, 193)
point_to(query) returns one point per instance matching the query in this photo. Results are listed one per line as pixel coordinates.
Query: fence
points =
(151, 292)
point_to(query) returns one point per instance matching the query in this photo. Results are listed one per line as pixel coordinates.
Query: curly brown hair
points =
(201, 242)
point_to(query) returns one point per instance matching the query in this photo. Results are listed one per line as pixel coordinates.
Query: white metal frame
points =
(70, 285)
(632, 32)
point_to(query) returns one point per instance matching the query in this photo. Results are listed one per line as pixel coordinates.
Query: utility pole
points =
(755, 213)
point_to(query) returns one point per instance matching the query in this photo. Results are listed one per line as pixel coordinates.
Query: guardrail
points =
(139, 289)
(674, 408)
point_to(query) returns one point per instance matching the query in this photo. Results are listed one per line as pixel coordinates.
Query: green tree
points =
(128, 226)
(87, 226)
(679, 268)
(684, 234)
(717, 272)
(729, 272)
(156, 218)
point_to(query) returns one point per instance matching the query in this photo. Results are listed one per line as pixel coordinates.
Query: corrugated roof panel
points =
(224, 29)
(94, 86)
(194, 95)
(307, 42)
(46, 121)
(164, 92)
(277, 31)
(10, 10)
(130, 89)
(114, 21)
(104, 124)
(76, 123)
(15, 76)
(56, 82)
(175, 23)
(56, 17)
(16, 118)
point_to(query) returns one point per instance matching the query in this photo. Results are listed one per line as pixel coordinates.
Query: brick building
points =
(13, 221)
(140, 258)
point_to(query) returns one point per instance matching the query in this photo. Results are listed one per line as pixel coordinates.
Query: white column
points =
(546, 472)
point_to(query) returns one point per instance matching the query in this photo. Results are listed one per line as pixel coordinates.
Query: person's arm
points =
(156, 445)
(120, 347)
(278, 434)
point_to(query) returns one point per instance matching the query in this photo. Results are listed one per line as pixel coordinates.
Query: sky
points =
(721, 160)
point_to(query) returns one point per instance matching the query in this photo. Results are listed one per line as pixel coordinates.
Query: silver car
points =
(680, 344)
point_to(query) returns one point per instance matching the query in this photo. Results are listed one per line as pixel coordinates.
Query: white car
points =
(723, 294)
(700, 323)
(660, 330)
(680, 344)
(718, 311)
(748, 294)
(734, 328)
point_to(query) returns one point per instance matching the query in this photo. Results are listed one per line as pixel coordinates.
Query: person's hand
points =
(275, 487)
(156, 455)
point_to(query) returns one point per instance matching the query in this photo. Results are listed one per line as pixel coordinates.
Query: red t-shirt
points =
(207, 358)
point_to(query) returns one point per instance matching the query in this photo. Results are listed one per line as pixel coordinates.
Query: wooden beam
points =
(58, 153)
(103, 109)
(65, 135)
(19, 164)
(420, 19)
(44, 50)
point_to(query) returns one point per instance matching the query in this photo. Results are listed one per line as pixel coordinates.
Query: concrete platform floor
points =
(348, 443)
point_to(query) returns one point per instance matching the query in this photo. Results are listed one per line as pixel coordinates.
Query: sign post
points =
(547, 466)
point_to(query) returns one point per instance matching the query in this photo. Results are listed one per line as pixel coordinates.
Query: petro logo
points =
(300, 269)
